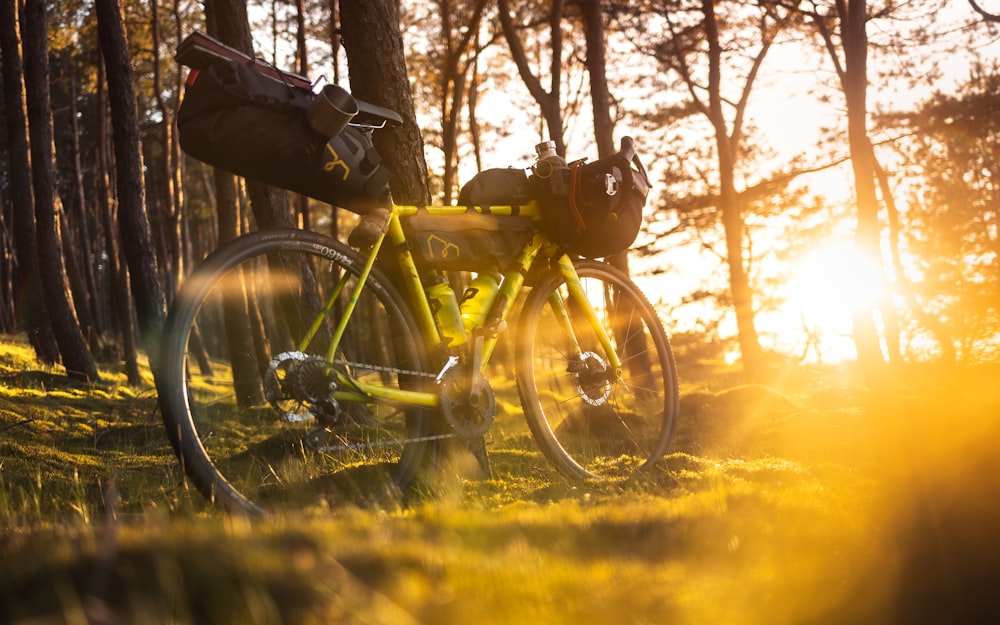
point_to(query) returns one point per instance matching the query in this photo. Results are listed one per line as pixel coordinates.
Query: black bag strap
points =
(628, 152)
(620, 160)
(574, 183)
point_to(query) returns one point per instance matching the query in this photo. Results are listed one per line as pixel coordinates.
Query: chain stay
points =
(405, 441)
(369, 367)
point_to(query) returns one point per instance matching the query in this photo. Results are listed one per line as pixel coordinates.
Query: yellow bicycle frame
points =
(351, 390)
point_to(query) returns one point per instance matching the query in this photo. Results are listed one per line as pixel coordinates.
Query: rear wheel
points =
(588, 420)
(250, 402)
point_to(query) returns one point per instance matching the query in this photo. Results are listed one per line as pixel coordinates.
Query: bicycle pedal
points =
(369, 229)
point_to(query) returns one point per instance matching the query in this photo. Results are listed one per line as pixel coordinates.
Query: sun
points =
(829, 284)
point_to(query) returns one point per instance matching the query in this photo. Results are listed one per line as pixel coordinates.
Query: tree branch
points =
(989, 17)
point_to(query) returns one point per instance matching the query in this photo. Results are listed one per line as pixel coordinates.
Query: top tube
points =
(529, 209)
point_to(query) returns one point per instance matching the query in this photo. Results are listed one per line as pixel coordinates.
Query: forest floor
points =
(805, 499)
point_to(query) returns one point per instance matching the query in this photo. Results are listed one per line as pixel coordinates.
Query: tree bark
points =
(133, 223)
(172, 261)
(729, 200)
(458, 59)
(117, 273)
(596, 61)
(228, 22)
(76, 356)
(853, 20)
(548, 101)
(32, 316)
(302, 68)
(376, 64)
(76, 225)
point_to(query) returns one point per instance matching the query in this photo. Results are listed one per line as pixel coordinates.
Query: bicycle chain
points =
(405, 441)
(381, 369)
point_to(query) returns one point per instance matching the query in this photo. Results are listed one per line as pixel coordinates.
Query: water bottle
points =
(478, 299)
(444, 305)
(548, 160)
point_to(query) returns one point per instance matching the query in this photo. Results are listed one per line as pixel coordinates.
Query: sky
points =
(791, 121)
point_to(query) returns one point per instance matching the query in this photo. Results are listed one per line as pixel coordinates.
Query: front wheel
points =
(589, 420)
(260, 413)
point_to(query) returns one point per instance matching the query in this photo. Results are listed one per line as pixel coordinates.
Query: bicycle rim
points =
(590, 423)
(250, 408)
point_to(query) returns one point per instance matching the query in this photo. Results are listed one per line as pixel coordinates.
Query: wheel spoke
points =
(254, 410)
(585, 418)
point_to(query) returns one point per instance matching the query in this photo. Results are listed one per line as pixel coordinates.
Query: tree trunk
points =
(184, 255)
(32, 316)
(170, 214)
(474, 132)
(548, 101)
(228, 22)
(459, 58)
(117, 273)
(600, 99)
(334, 35)
(377, 68)
(8, 263)
(76, 356)
(87, 295)
(596, 60)
(855, 79)
(133, 223)
(302, 68)
(730, 203)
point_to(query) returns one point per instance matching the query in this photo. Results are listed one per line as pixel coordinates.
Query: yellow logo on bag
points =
(331, 164)
(439, 248)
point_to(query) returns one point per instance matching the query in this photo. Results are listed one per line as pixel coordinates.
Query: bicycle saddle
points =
(375, 116)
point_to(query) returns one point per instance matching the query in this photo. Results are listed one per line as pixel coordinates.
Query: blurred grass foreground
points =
(808, 499)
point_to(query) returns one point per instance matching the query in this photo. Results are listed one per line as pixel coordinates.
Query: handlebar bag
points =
(594, 209)
(252, 125)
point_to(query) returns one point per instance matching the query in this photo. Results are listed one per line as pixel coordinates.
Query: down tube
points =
(513, 282)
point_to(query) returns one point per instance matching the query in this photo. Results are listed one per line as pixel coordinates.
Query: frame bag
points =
(595, 209)
(468, 241)
(478, 239)
(250, 124)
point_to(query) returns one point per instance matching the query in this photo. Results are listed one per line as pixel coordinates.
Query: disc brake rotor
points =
(593, 379)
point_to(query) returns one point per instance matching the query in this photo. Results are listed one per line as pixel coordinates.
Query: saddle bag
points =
(238, 119)
(594, 209)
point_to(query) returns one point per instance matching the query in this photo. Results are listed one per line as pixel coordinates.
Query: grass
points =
(808, 499)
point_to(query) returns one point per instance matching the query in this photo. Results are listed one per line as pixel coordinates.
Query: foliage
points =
(805, 500)
(950, 168)
(912, 45)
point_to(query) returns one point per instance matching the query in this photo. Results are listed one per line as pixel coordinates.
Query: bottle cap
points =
(546, 148)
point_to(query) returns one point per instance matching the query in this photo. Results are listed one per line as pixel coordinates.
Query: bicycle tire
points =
(236, 378)
(587, 422)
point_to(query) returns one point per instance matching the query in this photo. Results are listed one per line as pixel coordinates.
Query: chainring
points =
(469, 413)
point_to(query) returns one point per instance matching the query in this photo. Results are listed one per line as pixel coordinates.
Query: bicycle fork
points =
(579, 297)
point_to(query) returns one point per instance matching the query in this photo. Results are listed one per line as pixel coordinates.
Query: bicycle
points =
(296, 369)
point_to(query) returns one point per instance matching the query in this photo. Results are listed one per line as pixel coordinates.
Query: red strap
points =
(574, 179)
